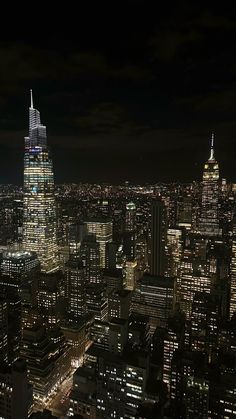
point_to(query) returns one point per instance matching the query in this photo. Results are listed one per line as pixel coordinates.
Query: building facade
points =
(39, 212)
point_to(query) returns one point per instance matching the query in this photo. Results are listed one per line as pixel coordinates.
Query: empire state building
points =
(39, 213)
(209, 221)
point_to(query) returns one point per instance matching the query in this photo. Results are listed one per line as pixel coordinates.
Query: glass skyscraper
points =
(39, 212)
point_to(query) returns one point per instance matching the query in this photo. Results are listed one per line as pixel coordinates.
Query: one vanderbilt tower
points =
(39, 217)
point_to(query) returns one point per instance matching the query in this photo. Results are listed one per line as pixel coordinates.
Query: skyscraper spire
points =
(209, 219)
(212, 147)
(31, 99)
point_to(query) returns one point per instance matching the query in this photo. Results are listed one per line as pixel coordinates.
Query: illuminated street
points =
(59, 401)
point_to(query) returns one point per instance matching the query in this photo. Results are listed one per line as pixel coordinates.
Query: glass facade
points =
(39, 212)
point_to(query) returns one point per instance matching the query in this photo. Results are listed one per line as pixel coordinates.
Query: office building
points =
(189, 285)
(83, 400)
(209, 221)
(97, 301)
(114, 280)
(158, 238)
(232, 296)
(76, 291)
(204, 323)
(49, 295)
(39, 213)
(90, 255)
(197, 398)
(48, 360)
(16, 396)
(131, 274)
(174, 247)
(154, 297)
(3, 331)
(102, 228)
(76, 234)
(119, 304)
(130, 217)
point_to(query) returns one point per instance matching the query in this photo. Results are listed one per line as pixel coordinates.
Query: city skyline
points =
(173, 160)
(118, 212)
(140, 93)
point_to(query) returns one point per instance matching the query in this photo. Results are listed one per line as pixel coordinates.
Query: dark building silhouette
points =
(158, 238)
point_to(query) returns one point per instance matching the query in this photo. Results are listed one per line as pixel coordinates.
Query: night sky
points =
(127, 92)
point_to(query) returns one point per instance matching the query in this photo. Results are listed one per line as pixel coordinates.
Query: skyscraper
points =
(75, 278)
(232, 301)
(209, 221)
(158, 238)
(130, 216)
(103, 230)
(39, 213)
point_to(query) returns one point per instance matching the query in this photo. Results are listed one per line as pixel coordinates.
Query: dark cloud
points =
(109, 118)
(222, 101)
(138, 91)
(168, 45)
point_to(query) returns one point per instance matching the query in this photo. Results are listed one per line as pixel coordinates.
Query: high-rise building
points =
(49, 293)
(158, 238)
(154, 297)
(204, 319)
(209, 221)
(173, 339)
(130, 217)
(232, 300)
(190, 284)
(174, 250)
(129, 244)
(75, 279)
(3, 331)
(18, 284)
(111, 256)
(75, 237)
(129, 236)
(83, 394)
(131, 274)
(119, 304)
(197, 398)
(102, 228)
(39, 212)
(188, 369)
(114, 280)
(90, 255)
(18, 266)
(97, 301)
(48, 360)
(16, 396)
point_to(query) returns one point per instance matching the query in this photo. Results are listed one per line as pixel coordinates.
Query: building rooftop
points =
(98, 220)
(117, 320)
(19, 255)
(121, 293)
(158, 281)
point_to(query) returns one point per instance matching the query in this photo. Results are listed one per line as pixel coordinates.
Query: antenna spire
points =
(212, 146)
(31, 99)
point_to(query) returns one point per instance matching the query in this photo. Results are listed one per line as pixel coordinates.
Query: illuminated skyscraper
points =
(103, 230)
(232, 301)
(3, 331)
(209, 221)
(130, 216)
(39, 213)
(158, 238)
